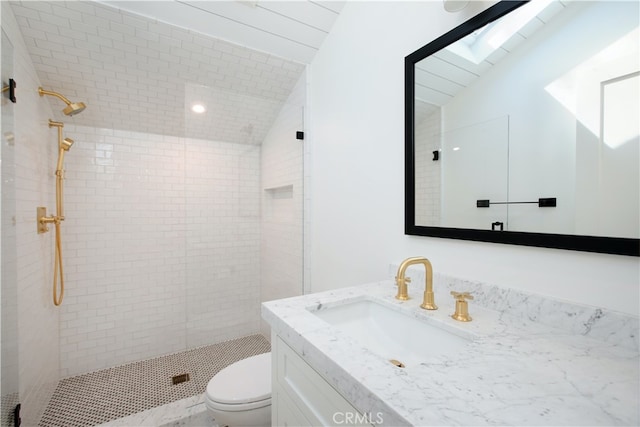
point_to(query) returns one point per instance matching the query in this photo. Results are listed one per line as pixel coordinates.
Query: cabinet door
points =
(308, 394)
(284, 412)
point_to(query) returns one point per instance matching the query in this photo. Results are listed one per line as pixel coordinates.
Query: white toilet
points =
(240, 394)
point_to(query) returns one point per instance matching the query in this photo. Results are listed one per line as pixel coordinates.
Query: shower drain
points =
(182, 378)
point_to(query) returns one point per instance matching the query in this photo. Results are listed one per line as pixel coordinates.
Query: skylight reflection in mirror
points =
(480, 44)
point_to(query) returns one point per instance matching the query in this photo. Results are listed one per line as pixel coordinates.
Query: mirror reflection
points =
(530, 123)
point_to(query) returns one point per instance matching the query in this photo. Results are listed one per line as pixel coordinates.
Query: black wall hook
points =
(11, 87)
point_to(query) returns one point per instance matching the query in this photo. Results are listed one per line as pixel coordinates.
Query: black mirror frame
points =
(599, 244)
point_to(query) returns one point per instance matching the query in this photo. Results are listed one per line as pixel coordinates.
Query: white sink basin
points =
(391, 334)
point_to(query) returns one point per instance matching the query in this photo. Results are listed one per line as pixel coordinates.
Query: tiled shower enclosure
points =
(166, 243)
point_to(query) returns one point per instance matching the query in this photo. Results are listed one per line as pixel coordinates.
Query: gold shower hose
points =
(57, 298)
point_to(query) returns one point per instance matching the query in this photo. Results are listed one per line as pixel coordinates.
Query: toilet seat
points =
(238, 407)
(241, 386)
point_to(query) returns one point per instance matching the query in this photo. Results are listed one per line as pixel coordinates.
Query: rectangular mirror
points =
(522, 128)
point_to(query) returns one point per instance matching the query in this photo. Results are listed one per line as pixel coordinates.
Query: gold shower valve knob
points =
(462, 307)
(42, 219)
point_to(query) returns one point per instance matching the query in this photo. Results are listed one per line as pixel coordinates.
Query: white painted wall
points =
(357, 168)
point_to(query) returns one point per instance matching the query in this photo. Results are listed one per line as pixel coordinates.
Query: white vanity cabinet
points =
(301, 397)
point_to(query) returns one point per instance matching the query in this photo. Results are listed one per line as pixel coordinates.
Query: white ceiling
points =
(288, 29)
(140, 65)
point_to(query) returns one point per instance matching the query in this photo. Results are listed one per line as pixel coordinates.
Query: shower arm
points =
(56, 94)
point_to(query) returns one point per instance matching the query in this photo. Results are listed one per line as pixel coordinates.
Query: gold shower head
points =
(71, 108)
(74, 108)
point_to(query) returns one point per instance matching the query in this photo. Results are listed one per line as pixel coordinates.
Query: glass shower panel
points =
(222, 240)
(465, 179)
(282, 225)
(224, 165)
(9, 290)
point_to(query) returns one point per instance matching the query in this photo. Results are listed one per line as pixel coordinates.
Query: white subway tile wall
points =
(9, 267)
(34, 155)
(161, 246)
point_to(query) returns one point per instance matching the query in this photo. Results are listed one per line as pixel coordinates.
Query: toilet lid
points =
(248, 380)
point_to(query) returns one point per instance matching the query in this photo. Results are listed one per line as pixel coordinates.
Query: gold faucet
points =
(428, 301)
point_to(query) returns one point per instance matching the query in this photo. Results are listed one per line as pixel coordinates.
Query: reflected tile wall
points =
(428, 171)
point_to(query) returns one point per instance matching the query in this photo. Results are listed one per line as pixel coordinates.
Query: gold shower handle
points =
(42, 219)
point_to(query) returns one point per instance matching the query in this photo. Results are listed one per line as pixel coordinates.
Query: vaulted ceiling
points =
(140, 66)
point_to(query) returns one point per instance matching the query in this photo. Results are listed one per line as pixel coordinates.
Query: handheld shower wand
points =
(64, 144)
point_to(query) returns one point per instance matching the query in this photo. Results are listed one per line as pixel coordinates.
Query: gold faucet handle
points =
(406, 280)
(462, 308)
(461, 296)
(401, 284)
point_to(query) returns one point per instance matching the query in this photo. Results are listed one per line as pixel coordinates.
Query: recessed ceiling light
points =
(454, 5)
(198, 108)
(250, 3)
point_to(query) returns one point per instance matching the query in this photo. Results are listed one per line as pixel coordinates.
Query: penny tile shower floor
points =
(101, 396)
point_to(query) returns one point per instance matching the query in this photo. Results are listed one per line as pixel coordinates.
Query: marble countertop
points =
(515, 371)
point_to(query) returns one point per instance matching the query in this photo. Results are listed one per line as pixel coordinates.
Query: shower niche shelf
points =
(281, 192)
(279, 204)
